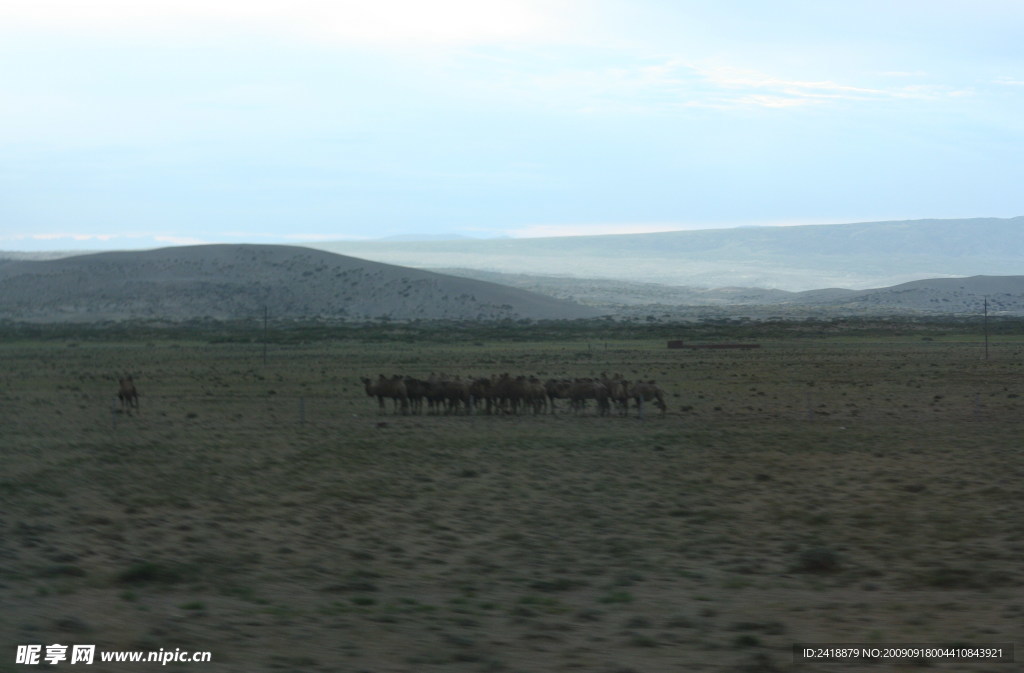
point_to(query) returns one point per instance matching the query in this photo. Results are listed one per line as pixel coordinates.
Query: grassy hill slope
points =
(238, 281)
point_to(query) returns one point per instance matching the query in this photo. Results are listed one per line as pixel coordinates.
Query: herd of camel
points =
(502, 394)
(506, 394)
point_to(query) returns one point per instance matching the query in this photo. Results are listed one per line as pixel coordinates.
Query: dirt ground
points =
(841, 491)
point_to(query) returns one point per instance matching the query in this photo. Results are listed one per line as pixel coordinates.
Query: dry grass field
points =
(835, 489)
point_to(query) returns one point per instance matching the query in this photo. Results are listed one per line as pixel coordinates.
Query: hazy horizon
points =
(103, 243)
(130, 126)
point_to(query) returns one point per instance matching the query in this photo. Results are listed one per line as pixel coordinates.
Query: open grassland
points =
(834, 487)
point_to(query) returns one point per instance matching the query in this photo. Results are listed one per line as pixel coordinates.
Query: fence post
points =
(266, 318)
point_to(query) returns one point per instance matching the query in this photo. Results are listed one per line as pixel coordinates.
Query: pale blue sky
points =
(136, 124)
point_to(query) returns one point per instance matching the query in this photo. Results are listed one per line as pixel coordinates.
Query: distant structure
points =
(680, 344)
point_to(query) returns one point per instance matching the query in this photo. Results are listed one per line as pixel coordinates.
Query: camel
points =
(646, 392)
(417, 391)
(482, 390)
(618, 392)
(456, 393)
(128, 395)
(393, 387)
(507, 394)
(589, 389)
(447, 394)
(534, 394)
(557, 389)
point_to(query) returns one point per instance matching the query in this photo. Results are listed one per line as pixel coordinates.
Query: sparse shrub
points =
(759, 663)
(616, 597)
(774, 628)
(951, 577)
(545, 603)
(643, 641)
(737, 583)
(560, 584)
(146, 572)
(746, 640)
(817, 560)
(679, 622)
(61, 570)
(590, 615)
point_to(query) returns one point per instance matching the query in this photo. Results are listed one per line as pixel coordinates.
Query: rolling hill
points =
(1004, 294)
(238, 281)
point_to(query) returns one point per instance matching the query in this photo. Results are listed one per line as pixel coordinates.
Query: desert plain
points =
(839, 485)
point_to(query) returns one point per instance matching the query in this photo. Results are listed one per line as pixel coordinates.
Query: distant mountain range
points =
(239, 281)
(948, 296)
(924, 267)
(434, 237)
(850, 256)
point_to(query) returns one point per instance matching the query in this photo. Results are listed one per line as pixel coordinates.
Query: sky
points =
(127, 124)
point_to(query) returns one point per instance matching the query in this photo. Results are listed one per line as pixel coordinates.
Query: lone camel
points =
(128, 395)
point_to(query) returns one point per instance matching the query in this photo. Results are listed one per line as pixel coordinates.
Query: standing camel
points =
(648, 391)
(384, 387)
(128, 395)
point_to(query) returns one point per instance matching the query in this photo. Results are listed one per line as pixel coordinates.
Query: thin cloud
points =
(903, 73)
(50, 237)
(676, 84)
(348, 21)
(552, 230)
(742, 78)
(319, 238)
(180, 240)
(61, 235)
(781, 92)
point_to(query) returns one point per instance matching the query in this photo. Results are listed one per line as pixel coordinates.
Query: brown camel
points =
(128, 395)
(647, 392)
(393, 388)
